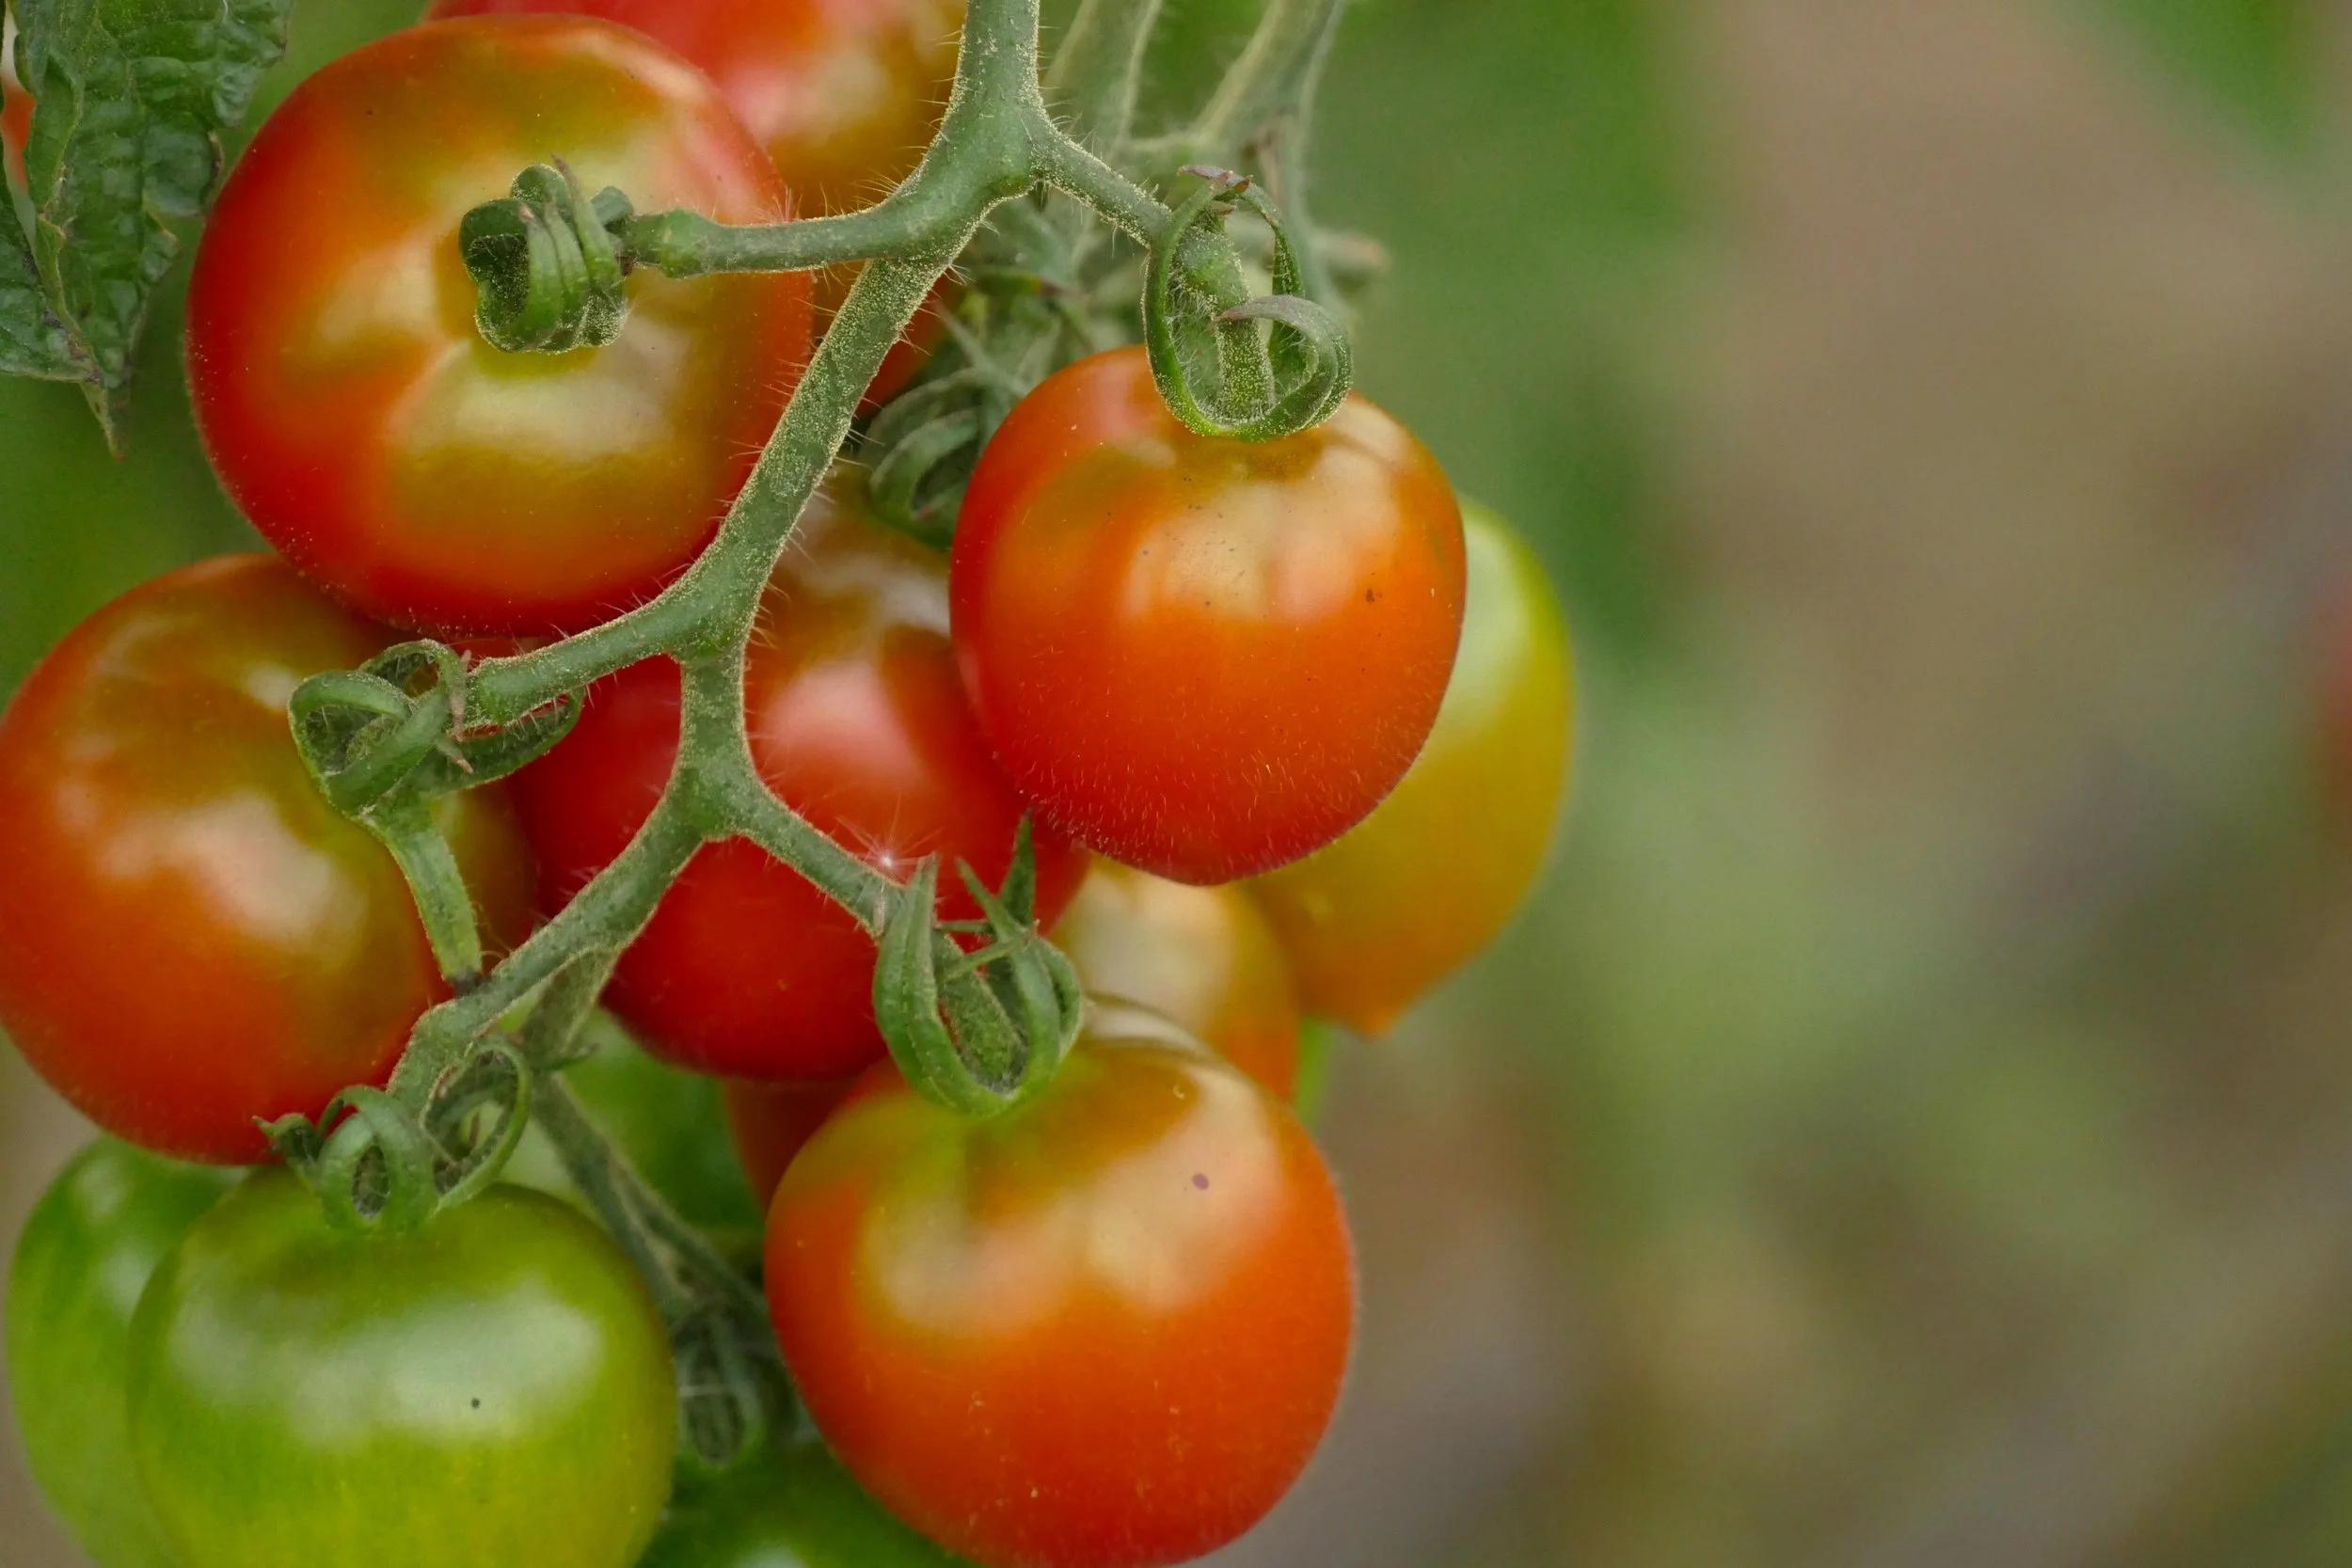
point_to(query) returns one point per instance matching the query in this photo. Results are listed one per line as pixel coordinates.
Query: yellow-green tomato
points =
(88, 1250)
(492, 1390)
(1414, 891)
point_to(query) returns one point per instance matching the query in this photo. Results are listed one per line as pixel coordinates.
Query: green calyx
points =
(1248, 368)
(980, 1031)
(550, 275)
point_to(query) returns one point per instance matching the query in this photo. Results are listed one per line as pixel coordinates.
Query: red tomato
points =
(1203, 657)
(190, 936)
(857, 722)
(769, 1123)
(1204, 957)
(844, 94)
(1415, 889)
(1106, 1329)
(360, 421)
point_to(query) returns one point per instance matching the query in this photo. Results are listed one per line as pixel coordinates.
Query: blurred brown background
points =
(1913, 1128)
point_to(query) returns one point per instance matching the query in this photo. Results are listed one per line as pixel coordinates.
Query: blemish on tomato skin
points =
(1199, 1182)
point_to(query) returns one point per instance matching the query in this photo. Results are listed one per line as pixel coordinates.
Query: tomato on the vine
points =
(490, 1390)
(357, 416)
(86, 1252)
(1204, 957)
(1203, 657)
(16, 120)
(790, 1507)
(857, 721)
(1411, 892)
(843, 94)
(190, 936)
(1106, 1329)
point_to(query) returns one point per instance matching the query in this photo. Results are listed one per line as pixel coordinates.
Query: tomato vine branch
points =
(974, 1030)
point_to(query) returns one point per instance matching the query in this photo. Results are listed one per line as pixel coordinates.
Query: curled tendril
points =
(395, 729)
(1266, 384)
(981, 1031)
(550, 273)
(379, 1163)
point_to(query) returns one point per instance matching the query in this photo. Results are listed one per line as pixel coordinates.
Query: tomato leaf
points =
(131, 98)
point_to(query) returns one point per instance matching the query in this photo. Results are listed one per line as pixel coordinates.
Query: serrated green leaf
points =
(131, 100)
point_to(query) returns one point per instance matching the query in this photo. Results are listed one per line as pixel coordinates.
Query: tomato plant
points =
(1105, 1328)
(1204, 957)
(365, 426)
(1203, 657)
(856, 719)
(1061, 1287)
(190, 936)
(1374, 920)
(789, 1507)
(86, 1252)
(490, 1390)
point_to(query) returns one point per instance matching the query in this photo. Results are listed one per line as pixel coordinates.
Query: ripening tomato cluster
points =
(1289, 726)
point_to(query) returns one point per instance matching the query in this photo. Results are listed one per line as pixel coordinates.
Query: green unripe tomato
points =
(93, 1240)
(793, 1506)
(492, 1390)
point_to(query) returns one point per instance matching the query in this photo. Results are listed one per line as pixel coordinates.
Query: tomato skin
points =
(857, 721)
(16, 116)
(790, 1507)
(1204, 957)
(190, 936)
(492, 1389)
(359, 419)
(1203, 657)
(1409, 894)
(770, 1123)
(86, 1252)
(1106, 1329)
(843, 94)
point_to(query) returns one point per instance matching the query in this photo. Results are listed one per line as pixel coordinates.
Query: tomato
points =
(1204, 957)
(769, 1123)
(360, 421)
(1377, 919)
(844, 94)
(668, 1125)
(790, 1507)
(1106, 1329)
(1203, 657)
(190, 936)
(489, 1390)
(95, 1235)
(858, 721)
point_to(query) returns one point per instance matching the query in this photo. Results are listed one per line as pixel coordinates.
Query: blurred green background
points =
(1914, 1127)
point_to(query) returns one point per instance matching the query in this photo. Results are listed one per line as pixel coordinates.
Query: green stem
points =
(1266, 81)
(1098, 68)
(444, 903)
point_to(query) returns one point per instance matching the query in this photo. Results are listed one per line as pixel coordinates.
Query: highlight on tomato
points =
(490, 1390)
(87, 1253)
(191, 937)
(362, 421)
(1205, 958)
(1373, 921)
(858, 721)
(1104, 1329)
(1203, 657)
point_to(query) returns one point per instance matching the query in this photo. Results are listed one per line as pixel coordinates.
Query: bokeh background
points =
(1914, 1125)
